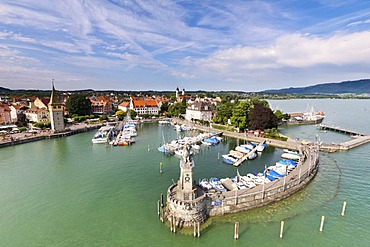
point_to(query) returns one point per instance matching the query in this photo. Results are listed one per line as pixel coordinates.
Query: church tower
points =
(56, 110)
(177, 93)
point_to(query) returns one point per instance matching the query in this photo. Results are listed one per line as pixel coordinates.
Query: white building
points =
(199, 110)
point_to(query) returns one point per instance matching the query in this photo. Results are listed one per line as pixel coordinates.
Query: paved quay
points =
(19, 138)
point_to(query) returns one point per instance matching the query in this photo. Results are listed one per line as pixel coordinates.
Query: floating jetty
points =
(175, 145)
(245, 157)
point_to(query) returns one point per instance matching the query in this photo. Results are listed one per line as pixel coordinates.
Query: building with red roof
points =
(5, 117)
(145, 106)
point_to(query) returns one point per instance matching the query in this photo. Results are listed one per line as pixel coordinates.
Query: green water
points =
(68, 192)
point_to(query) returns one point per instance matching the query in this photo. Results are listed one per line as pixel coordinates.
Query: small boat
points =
(290, 151)
(291, 156)
(243, 149)
(217, 185)
(236, 154)
(229, 159)
(273, 175)
(195, 146)
(103, 135)
(211, 141)
(180, 152)
(252, 156)
(164, 122)
(205, 184)
(261, 147)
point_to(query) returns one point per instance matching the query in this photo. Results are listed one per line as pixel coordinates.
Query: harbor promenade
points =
(357, 139)
(20, 138)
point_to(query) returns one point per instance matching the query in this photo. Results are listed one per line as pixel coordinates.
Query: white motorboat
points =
(103, 135)
(205, 184)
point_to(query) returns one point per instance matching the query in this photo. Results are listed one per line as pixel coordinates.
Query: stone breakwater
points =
(245, 199)
(184, 213)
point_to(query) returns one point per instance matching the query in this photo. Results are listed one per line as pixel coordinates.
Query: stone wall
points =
(185, 214)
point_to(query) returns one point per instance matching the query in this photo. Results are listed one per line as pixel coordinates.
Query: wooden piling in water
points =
(343, 208)
(198, 229)
(236, 231)
(160, 167)
(281, 229)
(158, 207)
(195, 229)
(162, 200)
(170, 219)
(322, 223)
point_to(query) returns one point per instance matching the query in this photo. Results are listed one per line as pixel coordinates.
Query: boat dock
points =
(171, 148)
(341, 130)
(245, 156)
(357, 139)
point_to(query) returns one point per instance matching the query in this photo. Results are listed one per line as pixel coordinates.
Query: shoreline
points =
(20, 138)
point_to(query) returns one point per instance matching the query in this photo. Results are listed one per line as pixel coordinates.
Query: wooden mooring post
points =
(343, 208)
(160, 167)
(322, 223)
(281, 229)
(236, 231)
(195, 228)
(158, 207)
(162, 200)
(198, 229)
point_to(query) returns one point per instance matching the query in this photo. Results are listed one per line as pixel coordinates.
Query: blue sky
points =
(197, 45)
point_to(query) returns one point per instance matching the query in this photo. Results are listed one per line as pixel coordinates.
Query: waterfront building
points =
(15, 110)
(56, 109)
(37, 115)
(124, 106)
(145, 106)
(101, 105)
(40, 103)
(199, 110)
(5, 117)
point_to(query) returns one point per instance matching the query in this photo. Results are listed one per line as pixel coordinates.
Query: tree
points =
(240, 114)
(223, 113)
(177, 109)
(262, 117)
(120, 114)
(78, 104)
(164, 107)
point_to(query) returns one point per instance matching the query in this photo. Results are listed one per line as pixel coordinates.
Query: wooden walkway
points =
(341, 130)
(245, 157)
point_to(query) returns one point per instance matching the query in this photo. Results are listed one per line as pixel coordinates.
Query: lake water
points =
(69, 192)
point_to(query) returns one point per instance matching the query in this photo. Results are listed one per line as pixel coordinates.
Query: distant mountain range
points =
(346, 87)
(355, 87)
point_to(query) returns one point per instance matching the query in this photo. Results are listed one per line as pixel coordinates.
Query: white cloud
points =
(295, 51)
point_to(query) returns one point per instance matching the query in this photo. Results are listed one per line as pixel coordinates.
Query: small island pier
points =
(357, 139)
(341, 130)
